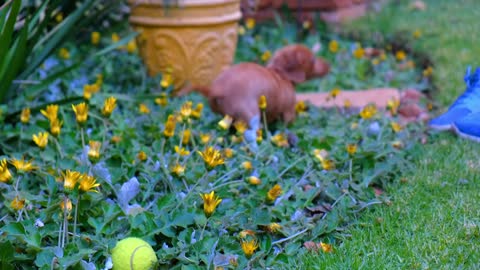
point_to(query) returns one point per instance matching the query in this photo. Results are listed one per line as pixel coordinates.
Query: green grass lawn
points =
(433, 221)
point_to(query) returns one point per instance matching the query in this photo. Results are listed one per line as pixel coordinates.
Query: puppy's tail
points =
(188, 88)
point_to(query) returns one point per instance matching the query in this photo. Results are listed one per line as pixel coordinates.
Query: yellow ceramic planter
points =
(193, 40)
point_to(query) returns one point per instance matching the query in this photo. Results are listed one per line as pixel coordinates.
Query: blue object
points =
(468, 127)
(467, 103)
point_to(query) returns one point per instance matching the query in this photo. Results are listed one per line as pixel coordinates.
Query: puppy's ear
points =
(320, 68)
(293, 62)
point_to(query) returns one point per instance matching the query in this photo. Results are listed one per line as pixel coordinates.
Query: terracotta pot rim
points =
(154, 13)
(182, 3)
(181, 22)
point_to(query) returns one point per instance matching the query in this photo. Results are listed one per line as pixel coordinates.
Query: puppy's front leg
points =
(251, 133)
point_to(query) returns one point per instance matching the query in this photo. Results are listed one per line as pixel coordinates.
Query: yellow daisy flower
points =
(88, 183)
(25, 116)
(226, 122)
(250, 23)
(205, 138)
(169, 130)
(280, 140)
(17, 203)
(108, 106)
(178, 169)
(249, 247)
(95, 38)
(368, 111)
(5, 175)
(143, 108)
(254, 180)
(212, 157)
(333, 46)
(81, 112)
(181, 151)
(262, 102)
(55, 127)
(210, 203)
(351, 148)
(70, 179)
(22, 165)
(51, 112)
(197, 112)
(142, 156)
(41, 139)
(274, 192)
(94, 150)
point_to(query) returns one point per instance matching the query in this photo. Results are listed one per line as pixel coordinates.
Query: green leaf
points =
(7, 30)
(15, 229)
(261, 216)
(45, 257)
(74, 259)
(165, 200)
(200, 219)
(292, 248)
(6, 252)
(13, 63)
(37, 25)
(35, 240)
(266, 244)
(183, 220)
(3, 16)
(51, 41)
(168, 231)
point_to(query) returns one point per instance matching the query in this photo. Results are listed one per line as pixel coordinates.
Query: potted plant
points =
(192, 40)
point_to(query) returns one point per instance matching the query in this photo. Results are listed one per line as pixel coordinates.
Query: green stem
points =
(265, 125)
(203, 230)
(20, 138)
(180, 144)
(65, 222)
(83, 138)
(105, 131)
(290, 237)
(59, 147)
(76, 216)
(229, 183)
(163, 163)
(192, 138)
(225, 176)
(290, 166)
(350, 169)
(16, 185)
(162, 148)
(60, 235)
(190, 191)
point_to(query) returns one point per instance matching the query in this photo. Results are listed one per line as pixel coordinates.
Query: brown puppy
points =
(298, 64)
(236, 91)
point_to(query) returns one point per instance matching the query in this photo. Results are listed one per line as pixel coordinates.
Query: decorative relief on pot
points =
(194, 42)
(190, 55)
(229, 43)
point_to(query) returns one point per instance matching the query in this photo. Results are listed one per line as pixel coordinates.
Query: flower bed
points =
(353, 65)
(121, 158)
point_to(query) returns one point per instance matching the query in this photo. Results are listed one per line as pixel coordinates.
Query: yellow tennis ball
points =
(133, 254)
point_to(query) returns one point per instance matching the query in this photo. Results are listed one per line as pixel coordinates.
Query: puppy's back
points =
(242, 79)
